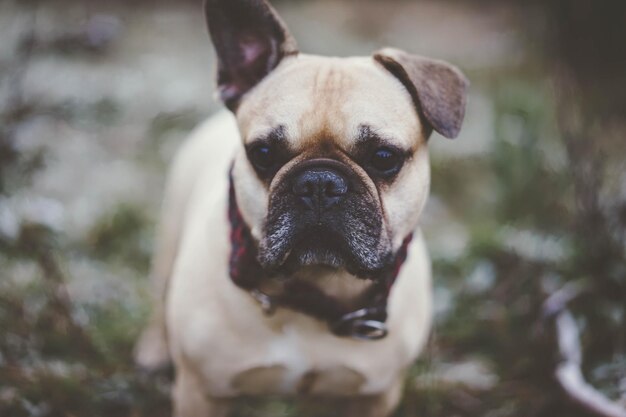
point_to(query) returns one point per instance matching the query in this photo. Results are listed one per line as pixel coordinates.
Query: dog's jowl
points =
(290, 261)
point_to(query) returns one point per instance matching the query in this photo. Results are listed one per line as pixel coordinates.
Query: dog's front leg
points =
(191, 401)
(382, 405)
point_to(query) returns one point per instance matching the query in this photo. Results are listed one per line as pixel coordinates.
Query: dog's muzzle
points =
(321, 213)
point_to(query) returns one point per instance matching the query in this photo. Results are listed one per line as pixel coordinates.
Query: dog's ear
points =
(439, 90)
(250, 40)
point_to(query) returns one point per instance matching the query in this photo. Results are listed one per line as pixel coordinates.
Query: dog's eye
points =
(262, 157)
(386, 161)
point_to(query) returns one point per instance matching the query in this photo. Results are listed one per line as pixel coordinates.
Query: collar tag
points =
(363, 324)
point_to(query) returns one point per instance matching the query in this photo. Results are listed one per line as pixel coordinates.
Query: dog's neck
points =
(336, 283)
(339, 284)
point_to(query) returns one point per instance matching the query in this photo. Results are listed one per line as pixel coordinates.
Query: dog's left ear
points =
(250, 40)
(439, 90)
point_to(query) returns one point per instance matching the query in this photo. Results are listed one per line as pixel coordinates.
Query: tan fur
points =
(221, 343)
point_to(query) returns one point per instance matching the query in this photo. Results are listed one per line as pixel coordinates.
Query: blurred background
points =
(526, 224)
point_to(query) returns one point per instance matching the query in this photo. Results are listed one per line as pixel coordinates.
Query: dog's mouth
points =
(322, 247)
(317, 248)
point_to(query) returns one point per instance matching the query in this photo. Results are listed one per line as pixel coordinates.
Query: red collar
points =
(366, 322)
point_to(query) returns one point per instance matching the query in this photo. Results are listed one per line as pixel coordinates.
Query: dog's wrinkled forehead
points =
(311, 100)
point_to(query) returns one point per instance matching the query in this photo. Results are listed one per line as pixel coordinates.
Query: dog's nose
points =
(320, 188)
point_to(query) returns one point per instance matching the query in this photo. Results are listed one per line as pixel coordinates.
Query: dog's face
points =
(336, 167)
(334, 170)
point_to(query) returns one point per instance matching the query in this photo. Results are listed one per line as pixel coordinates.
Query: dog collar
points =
(368, 322)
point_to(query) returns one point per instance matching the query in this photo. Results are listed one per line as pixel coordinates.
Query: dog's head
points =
(334, 169)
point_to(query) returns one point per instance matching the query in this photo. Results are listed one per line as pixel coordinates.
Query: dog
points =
(290, 261)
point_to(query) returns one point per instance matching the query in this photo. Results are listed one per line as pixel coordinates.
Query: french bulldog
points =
(289, 260)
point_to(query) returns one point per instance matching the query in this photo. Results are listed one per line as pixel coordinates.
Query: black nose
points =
(320, 188)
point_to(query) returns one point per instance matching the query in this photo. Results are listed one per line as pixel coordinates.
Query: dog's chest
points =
(280, 379)
(292, 363)
(296, 362)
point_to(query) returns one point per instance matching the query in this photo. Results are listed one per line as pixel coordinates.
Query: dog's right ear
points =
(250, 40)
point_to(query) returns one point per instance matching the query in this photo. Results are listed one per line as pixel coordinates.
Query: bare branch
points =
(569, 373)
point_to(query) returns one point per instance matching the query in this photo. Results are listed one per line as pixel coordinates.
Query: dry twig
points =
(568, 372)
